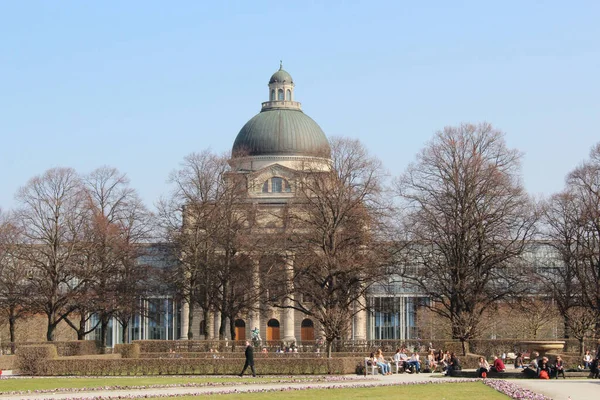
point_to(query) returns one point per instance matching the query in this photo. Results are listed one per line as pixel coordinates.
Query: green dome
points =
(281, 132)
(281, 76)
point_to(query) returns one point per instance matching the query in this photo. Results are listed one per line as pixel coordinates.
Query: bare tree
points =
(336, 239)
(117, 223)
(584, 184)
(469, 221)
(52, 218)
(562, 229)
(206, 220)
(14, 285)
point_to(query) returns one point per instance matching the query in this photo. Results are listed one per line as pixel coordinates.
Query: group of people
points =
(541, 367)
(446, 362)
(485, 367)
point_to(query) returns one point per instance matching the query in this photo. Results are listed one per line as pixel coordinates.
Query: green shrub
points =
(30, 359)
(187, 366)
(68, 348)
(7, 362)
(128, 350)
(257, 355)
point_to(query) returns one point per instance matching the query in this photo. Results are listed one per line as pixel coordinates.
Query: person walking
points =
(249, 353)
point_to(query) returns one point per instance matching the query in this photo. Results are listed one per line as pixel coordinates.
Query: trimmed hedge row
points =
(30, 358)
(189, 366)
(67, 348)
(128, 350)
(257, 355)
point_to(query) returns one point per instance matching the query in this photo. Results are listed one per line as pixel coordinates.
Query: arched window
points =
(273, 329)
(280, 94)
(240, 329)
(288, 95)
(307, 330)
(203, 327)
(276, 185)
(272, 94)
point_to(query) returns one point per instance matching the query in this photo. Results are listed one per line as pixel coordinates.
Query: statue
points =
(255, 336)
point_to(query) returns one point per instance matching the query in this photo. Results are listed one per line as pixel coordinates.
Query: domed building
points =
(277, 141)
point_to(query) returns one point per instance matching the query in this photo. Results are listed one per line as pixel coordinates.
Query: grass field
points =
(449, 391)
(14, 385)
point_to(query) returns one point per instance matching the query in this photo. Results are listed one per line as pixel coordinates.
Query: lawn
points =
(22, 384)
(445, 391)
(441, 391)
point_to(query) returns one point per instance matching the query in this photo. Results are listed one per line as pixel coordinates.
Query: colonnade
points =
(213, 319)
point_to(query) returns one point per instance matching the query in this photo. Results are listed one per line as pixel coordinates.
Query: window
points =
(288, 95)
(280, 94)
(272, 94)
(278, 185)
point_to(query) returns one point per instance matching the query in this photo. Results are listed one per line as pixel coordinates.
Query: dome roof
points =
(278, 131)
(281, 76)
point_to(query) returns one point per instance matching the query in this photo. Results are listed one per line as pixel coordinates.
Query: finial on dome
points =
(280, 64)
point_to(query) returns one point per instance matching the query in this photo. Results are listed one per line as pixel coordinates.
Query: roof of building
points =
(281, 132)
(281, 128)
(281, 76)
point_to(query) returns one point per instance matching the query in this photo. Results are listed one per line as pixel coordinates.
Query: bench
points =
(370, 369)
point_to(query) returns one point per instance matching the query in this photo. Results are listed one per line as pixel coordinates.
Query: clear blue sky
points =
(137, 85)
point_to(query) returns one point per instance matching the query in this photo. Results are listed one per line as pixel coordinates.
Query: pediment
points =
(256, 179)
(271, 171)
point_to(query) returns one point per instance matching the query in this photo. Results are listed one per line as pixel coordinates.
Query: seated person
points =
(587, 360)
(385, 367)
(519, 360)
(400, 359)
(430, 362)
(453, 364)
(414, 362)
(532, 369)
(483, 367)
(544, 369)
(595, 368)
(559, 368)
(498, 365)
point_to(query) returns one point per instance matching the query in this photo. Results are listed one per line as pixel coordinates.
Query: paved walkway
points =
(581, 389)
(559, 389)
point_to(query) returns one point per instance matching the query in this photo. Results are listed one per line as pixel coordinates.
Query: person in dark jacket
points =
(249, 353)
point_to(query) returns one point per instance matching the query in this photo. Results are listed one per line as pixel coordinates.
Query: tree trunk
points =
(190, 332)
(104, 320)
(329, 347)
(581, 347)
(81, 328)
(125, 330)
(232, 329)
(465, 346)
(51, 328)
(567, 331)
(11, 328)
(223, 326)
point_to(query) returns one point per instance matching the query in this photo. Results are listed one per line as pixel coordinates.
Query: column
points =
(288, 313)
(360, 319)
(217, 323)
(185, 320)
(255, 313)
(210, 325)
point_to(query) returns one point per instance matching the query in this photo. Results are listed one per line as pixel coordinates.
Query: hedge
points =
(67, 348)
(128, 350)
(257, 355)
(183, 366)
(30, 359)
